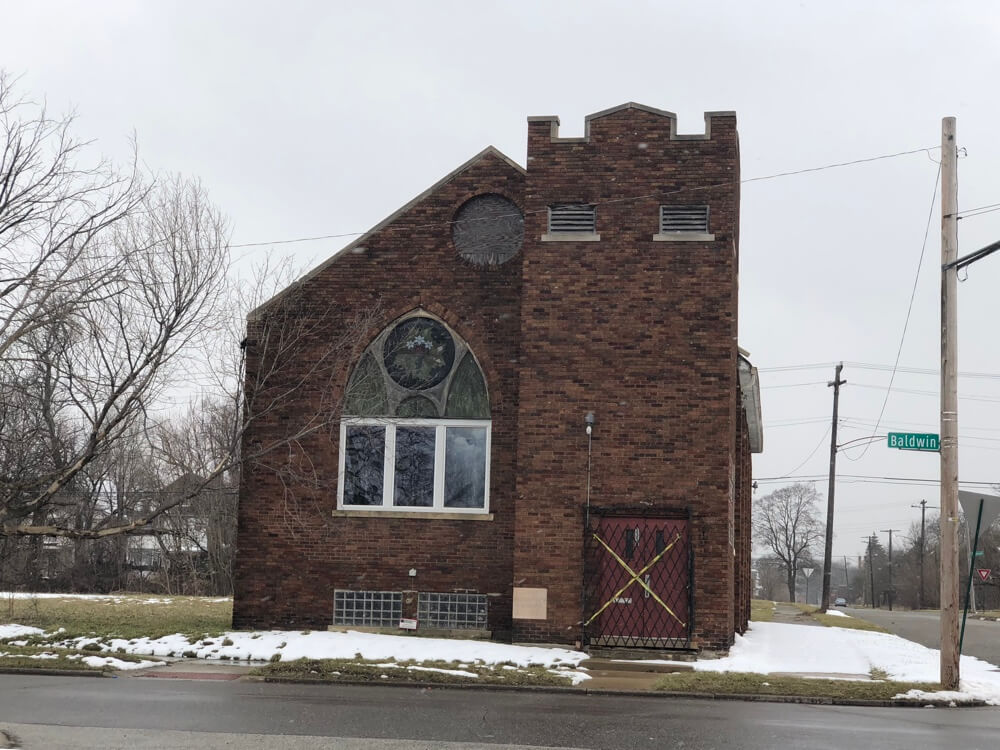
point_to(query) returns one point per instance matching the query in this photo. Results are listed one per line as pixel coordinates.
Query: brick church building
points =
(542, 432)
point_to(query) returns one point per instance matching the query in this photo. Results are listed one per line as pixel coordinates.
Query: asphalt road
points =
(982, 637)
(73, 712)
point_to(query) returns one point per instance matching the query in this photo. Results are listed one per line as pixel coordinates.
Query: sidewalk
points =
(789, 613)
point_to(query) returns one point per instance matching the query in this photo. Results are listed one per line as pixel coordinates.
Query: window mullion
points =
(439, 445)
(342, 464)
(389, 470)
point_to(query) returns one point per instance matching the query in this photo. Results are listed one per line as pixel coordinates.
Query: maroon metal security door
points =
(639, 592)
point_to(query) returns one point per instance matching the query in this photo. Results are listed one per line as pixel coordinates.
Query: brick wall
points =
(292, 553)
(643, 334)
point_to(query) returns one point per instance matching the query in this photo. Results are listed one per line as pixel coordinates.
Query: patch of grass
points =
(125, 616)
(851, 623)
(340, 670)
(761, 610)
(27, 657)
(807, 609)
(746, 683)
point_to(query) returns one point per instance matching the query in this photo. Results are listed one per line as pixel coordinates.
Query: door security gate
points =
(638, 583)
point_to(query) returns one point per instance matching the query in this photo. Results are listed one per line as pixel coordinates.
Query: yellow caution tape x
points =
(636, 578)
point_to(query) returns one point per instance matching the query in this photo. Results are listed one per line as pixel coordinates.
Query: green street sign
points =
(915, 441)
(979, 553)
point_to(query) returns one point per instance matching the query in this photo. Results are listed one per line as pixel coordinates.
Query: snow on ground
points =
(14, 631)
(291, 645)
(108, 661)
(779, 647)
(837, 613)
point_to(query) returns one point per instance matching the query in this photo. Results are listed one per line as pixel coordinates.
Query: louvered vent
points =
(572, 217)
(683, 219)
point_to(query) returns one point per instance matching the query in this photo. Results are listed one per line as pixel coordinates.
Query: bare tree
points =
(105, 286)
(115, 295)
(786, 523)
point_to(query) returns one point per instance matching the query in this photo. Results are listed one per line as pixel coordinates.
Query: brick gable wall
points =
(292, 553)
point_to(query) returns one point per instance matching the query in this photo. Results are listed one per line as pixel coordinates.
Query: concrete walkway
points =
(789, 613)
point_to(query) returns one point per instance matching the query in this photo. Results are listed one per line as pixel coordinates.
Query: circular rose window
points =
(419, 353)
(488, 230)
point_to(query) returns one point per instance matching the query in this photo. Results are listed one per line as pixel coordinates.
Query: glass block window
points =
(368, 608)
(452, 611)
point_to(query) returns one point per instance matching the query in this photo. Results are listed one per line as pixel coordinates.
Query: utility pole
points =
(871, 568)
(847, 580)
(828, 548)
(923, 537)
(892, 590)
(949, 407)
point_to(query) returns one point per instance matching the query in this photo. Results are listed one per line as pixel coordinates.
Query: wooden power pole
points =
(949, 407)
(828, 547)
(892, 586)
(923, 547)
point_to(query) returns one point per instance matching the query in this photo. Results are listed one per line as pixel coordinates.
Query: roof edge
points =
(352, 246)
(750, 398)
(674, 135)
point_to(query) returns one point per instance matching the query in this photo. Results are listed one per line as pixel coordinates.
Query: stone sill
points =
(461, 633)
(439, 516)
(684, 237)
(571, 237)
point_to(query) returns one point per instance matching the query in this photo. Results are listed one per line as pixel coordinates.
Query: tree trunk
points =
(791, 585)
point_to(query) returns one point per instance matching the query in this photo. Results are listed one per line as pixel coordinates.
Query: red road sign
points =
(984, 574)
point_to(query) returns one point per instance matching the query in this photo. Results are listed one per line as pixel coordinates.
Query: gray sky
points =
(316, 118)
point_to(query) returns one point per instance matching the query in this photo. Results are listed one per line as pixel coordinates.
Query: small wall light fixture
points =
(589, 420)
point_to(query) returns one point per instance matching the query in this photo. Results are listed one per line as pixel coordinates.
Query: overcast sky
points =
(317, 118)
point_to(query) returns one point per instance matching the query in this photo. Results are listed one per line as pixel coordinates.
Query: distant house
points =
(547, 435)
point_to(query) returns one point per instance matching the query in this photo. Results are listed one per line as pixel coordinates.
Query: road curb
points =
(747, 697)
(55, 672)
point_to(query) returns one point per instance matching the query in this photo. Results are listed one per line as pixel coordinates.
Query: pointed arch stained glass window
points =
(415, 435)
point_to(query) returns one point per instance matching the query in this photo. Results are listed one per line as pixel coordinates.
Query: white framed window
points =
(414, 465)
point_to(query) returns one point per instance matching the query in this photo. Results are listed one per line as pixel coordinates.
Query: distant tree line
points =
(788, 531)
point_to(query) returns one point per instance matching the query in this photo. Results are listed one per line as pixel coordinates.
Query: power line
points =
(909, 311)
(811, 453)
(979, 209)
(935, 394)
(876, 366)
(774, 176)
(862, 478)
(792, 385)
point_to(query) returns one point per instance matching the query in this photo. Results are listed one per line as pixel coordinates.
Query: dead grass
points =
(761, 610)
(352, 670)
(745, 683)
(51, 658)
(125, 616)
(850, 623)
